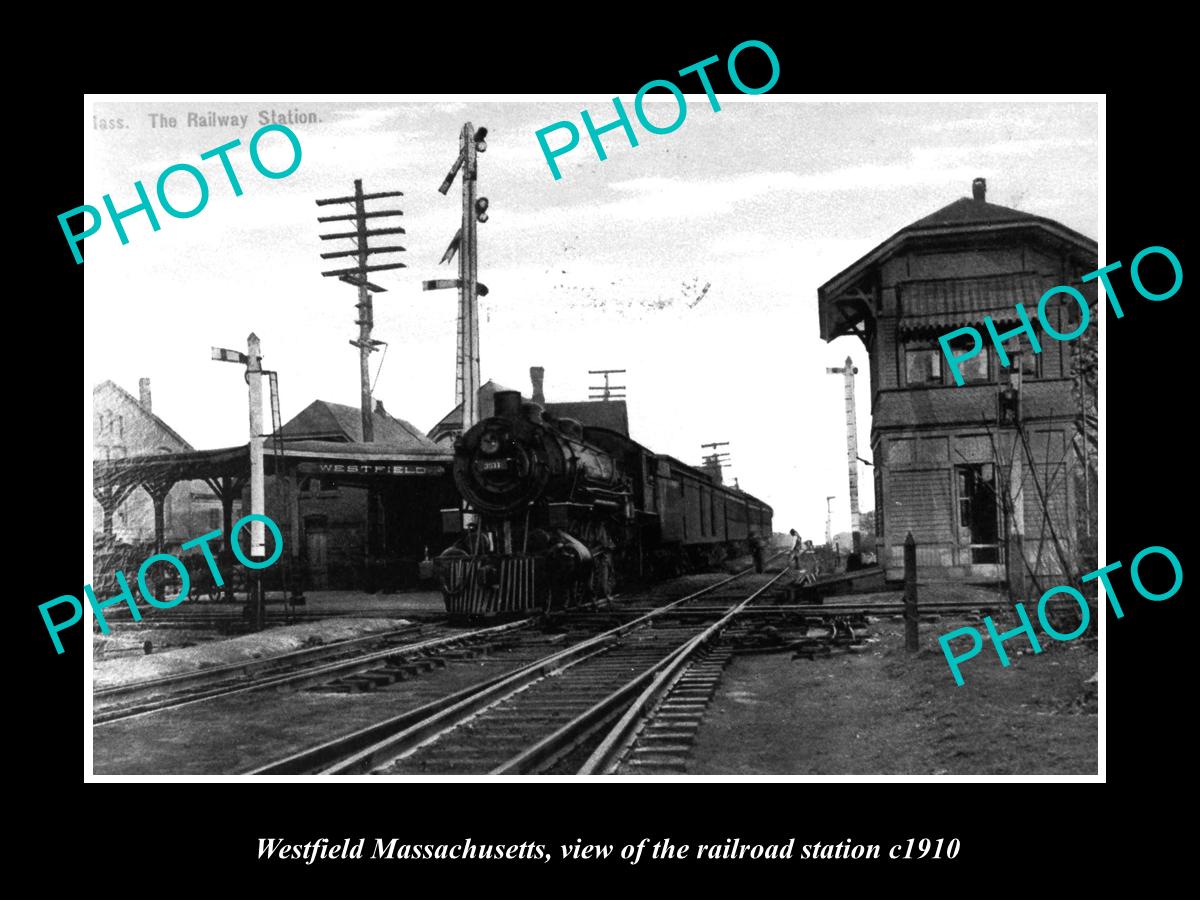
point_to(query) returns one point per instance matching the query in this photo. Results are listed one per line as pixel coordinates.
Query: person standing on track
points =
(795, 550)
(812, 564)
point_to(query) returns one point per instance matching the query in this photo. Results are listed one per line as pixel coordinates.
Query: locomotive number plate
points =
(493, 465)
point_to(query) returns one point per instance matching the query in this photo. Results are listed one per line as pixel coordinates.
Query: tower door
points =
(978, 517)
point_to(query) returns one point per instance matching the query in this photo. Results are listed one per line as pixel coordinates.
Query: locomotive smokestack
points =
(507, 404)
(537, 375)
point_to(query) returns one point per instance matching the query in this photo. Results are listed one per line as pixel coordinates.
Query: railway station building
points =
(333, 468)
(321, 483)
(992, 477)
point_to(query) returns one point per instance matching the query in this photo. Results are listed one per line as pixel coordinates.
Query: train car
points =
(557, 512)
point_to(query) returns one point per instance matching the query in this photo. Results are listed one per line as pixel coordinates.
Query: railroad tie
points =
(377, 677)
(350, 684)
(676, 765)
(398, 673)
(663, 745)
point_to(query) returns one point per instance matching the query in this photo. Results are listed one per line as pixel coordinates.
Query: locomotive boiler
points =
(556, 511)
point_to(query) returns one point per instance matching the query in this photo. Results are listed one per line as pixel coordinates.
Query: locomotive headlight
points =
(489, 444)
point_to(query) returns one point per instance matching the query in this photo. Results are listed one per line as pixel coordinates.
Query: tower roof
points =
(841, 298)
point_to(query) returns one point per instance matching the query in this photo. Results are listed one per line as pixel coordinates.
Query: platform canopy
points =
(129, 472)
(305, 457)
(226, 470)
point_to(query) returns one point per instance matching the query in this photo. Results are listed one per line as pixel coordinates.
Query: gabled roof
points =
(610, 414)
(125, 395)
(964, 216)
(967, 211)
(452, 421)
(322, 420)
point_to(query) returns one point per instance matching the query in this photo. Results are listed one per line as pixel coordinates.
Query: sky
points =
(692, 260)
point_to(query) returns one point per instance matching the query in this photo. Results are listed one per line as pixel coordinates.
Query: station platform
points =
(115, 668)
(322, 618)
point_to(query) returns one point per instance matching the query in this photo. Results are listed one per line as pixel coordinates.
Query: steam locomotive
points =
(557, 511)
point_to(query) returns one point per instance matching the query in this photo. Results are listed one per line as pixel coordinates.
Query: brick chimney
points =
(979, 189)
(144, 392)
(379, 410)
(537, 375)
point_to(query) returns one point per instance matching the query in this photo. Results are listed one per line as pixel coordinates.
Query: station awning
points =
(305, 457)
(940, 306)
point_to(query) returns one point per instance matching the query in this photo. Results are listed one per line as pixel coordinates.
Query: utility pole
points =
(606, 391)
(716, 461)
(356, 275)
(252, 360)
(849, 371)
(472, 141)
(829, 518)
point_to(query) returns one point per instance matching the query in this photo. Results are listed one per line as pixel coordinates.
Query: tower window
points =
(975, 369)
(922, 365)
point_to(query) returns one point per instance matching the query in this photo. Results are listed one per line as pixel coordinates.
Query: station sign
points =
(371, 469)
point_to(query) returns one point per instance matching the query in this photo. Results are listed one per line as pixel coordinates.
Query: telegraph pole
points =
(357, 276)
(716, 461)
(849, 371)
(474, 209)
(606, 390)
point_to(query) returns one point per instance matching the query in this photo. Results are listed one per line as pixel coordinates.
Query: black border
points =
(211, 832)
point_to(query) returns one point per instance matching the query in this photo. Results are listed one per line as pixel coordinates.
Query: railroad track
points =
(232, 617)
(525, 708)
(660, 733)
(656, 733)
(541, 717)
(361, 663)
(382, 657)
(880, 610)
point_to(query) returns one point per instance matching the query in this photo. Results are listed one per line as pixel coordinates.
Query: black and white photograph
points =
(692, 433)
